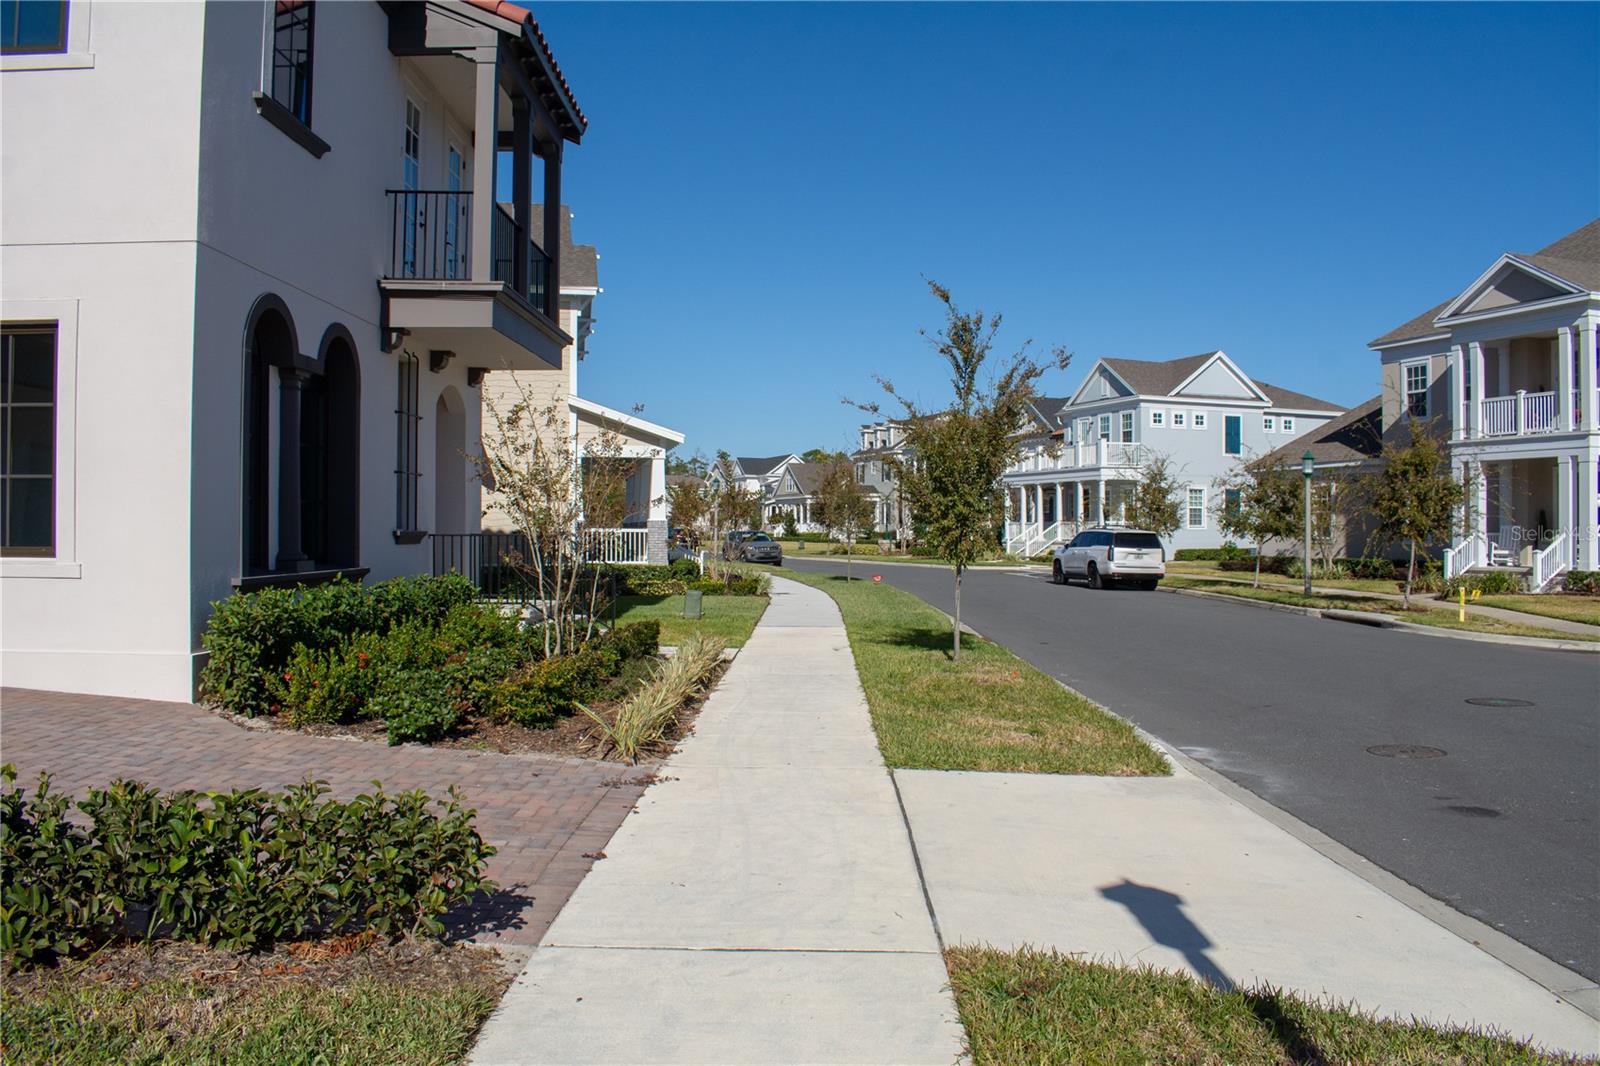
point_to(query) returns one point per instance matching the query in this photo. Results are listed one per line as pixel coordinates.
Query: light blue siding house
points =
(1085, 453)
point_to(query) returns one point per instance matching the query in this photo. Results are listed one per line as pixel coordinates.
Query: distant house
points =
(1346, 448)
(757, 474)
(1084, 455)
(878, 461)
(796, 494)
(1507, 368)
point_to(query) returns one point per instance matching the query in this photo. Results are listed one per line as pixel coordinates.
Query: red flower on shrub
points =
(274, 708)
(288, 676)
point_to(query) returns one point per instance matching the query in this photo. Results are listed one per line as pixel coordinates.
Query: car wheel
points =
(1057, 575)
(1094, 577)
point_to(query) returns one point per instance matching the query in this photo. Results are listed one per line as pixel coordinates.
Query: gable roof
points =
(1049, 408)
(807, 478)
(1295, 401)
(761, 467)
(1157, 377)
(1574, 258)
(1353, 437)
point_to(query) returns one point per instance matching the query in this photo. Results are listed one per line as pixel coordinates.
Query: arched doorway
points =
(269, 342)
(449, 463)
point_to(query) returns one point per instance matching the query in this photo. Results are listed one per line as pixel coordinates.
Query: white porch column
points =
(1458, 370)
(486, 123)
(1100, 501)
(1565, 419)
(1480, 389)
(1588, 395)
(1565, 464)
(1586, 523)
(1038, 504)
(1058, 503)
(656, 527)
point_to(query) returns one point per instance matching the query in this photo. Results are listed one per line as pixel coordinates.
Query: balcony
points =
(1526, 414)
(1117, 455)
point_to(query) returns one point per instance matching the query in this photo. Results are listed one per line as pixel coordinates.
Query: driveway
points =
(1502, 826)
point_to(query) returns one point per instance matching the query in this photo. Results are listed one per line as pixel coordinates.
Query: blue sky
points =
(767, 184)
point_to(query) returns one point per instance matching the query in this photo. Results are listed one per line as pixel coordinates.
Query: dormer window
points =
(33, 27)
(292, 26)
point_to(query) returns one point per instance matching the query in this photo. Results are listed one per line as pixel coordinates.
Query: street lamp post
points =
(1308, 463)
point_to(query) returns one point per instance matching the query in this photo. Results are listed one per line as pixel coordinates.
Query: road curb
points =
(1567, 985)
(1383, 621)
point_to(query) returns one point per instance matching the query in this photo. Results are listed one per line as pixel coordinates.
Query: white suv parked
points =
(1104, 557)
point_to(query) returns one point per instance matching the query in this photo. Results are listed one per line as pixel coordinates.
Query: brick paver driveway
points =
(544, 813)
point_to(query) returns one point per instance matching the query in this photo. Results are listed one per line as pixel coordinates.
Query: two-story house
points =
(250, 352)
(760, 475)
(878, 461)
(1084, 456)
(1507, 368)
(642, 536)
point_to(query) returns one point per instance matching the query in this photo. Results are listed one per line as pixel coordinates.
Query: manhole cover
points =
(1474, 812)
(1498, 701)
(1405, 751)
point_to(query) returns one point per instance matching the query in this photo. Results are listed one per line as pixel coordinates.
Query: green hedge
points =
(678, 578)
(237, 870)
(1586, 582)
(1211, 555)
(1487, 584)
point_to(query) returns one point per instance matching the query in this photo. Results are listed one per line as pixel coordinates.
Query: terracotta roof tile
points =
(516, 13)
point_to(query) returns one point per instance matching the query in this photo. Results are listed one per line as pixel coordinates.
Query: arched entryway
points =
(269, 341)
(451, 475)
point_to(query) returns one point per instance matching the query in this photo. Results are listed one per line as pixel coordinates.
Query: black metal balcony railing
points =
(431, 240)
(488, 560)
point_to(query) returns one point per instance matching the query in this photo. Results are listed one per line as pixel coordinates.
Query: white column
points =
(1480, 503)
(1058, 503)
(1480, 389)
(1564, 412)
(1588, 395)
(1458, 369)
(1586, 523)
(658, 487)
(1100, 501)
(1564, 500)
(1038, 504)
(486, 123)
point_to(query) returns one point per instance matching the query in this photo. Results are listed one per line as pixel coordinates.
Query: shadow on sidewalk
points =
(1161, 914)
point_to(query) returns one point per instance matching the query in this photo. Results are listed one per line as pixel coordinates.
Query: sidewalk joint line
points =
(916, 860)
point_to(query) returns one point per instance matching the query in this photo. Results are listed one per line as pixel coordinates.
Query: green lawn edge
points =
(992, 712)
(732, 618)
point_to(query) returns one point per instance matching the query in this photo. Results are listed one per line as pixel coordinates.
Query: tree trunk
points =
(1411, 570)
(1259, 545)
(957, 623)
(849, 560)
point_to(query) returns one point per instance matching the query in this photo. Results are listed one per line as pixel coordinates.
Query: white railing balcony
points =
(1526, 413)
(1550, 561)
(622, 546)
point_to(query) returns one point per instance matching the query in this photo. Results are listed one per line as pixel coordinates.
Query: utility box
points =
(691, 603)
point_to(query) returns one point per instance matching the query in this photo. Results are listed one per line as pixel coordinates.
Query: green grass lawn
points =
(203, 1019)
(1584, 609)
(1212, 570)
(991, 712)
(732, 618)
(1423, 611)
(1041, 1007)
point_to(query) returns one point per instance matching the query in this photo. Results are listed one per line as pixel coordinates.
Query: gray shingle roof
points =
(1297, 401)
(580, 263)
(1575, 257)
(807, 476)
(1354, 436)
(760, 466)
(1151, 377)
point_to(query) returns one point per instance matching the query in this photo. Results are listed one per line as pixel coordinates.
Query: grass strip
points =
(991, 712)
(1568, 608)
(1038, 1007)
(1440, 617)
(730, 618)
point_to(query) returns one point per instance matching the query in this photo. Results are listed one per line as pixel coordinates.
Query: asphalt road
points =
(1505, 826)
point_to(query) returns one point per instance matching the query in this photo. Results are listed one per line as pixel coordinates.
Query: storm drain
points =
(1498, 701)
(1405, 751)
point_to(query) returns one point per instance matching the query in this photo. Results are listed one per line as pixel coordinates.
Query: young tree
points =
(732, 507)
(696, 464)
(958, 453)
(791, 528)
(1413, 496)
(687, 505)
(1156, 503)
(550, 492)
(819, 455)
(1259, 501)
(843, 507)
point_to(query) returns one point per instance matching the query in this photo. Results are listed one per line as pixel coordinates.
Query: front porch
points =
(1042, 513)
(1529, 514)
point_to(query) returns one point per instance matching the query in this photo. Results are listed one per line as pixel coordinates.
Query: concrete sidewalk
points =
(1172, 872)
(763, 905)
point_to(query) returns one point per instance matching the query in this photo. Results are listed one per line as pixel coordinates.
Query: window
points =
(1416, 386)
(28, 440)
(31, 27)
(1084, 436)
(1127, 427)
(1158, 417)
(1230, 501)
(410, 175)
(1286, 424)
(291, 56)
(1233, 434)
(1199, 420)
(1177, 420)
(1105, 427)
(1195, 512)
(407, 470)
(1269, 424)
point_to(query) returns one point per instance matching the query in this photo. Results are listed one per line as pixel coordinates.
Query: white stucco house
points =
(1507, 368)
(250, 351)
(642, 537)
(1085, 453)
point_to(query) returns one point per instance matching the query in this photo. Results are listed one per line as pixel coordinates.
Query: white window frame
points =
(1180, 420)
(1286, 424)
(1269, 424)
(1405, 386)
(1188, 508)
(1127, 426)
(1198, 419)
(63, 314)
(1158, 417)
(77, 56)
(1103, 426)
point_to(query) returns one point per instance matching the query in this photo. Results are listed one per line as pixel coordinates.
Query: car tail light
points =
(1111, 554)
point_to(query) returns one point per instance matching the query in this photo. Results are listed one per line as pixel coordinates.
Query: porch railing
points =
(1550, 561)
(1524, 412)
(627, 547)
(1464, 556)
(488, 560)
(430, 239)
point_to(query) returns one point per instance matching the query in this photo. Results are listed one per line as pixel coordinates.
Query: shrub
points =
(237, 870)
(1487, 584)
(331, 686)
(418, 704)
(1228, 550)
(642, 721)
(421, 597)
(1270, 564)
(1375, 569)
(1586, 582)
(535, 695)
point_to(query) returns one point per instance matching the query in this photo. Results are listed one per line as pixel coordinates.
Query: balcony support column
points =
(1585, 521)
(1458, 370)
(1588, 400)
(1480, 389)
(521, 190)
(485, 126)
(550, 151)
(1565, 415)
